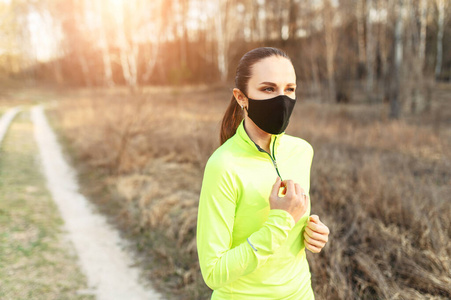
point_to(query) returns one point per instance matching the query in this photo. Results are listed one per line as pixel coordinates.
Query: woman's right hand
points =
(293, 201)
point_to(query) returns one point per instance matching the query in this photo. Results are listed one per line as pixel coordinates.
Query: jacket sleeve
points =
(219, 263)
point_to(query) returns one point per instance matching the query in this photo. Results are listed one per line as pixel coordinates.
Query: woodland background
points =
(389, 47)
(137, 89)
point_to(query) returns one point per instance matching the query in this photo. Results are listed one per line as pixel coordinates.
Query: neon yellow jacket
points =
(247, 251)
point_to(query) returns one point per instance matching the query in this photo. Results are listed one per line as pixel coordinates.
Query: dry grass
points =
(381, 186)
(36, 260)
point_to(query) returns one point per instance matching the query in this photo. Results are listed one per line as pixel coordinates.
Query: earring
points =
(242, 106)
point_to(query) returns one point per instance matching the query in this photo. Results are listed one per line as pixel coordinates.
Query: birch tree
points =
(384, 43)
(441, 25)
(225, 29)
(103, 43)
(151, 56)
(127, 43)
(76, 37)
(423, 10)
(418, 37)
(395, 102)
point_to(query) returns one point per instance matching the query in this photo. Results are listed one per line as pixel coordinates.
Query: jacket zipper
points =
(273, 157)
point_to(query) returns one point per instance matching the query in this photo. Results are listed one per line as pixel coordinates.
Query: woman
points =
(252, 232)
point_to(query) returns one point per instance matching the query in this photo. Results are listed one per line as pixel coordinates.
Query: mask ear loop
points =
(242, 106)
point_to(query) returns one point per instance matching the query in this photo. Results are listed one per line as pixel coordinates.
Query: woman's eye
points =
(291, 90)
(269, 89)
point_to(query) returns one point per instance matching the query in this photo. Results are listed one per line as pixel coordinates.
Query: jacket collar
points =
(241, 132)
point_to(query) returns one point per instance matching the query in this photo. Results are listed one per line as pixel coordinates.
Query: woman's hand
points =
(316, 234)
(294, 200)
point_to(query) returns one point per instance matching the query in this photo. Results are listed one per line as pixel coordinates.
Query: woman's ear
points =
(240, 98)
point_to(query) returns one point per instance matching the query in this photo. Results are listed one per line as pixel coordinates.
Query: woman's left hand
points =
(316, 234)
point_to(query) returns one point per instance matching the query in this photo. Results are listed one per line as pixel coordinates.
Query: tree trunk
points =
(84, 69)
(418, 103)
(108, 72)
(360, 39)
(315, 76)
(128, 56)
(223, 34)
(423, 22)
(441, 23)
(369, 51)
(57, 73)
(383, 51)
(155, 45)
(221, 49)
(184, 38)
(129, 51)
(292, 19)
(330, 48)
(395, 102)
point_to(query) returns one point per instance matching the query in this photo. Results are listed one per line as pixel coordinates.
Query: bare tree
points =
(75, 31)
(441, 25)
(360, 18)
(225, 29)
(395, 102)
(330, 43)
(383, 41)
(127, 43)
(104, 47)
(423, 8)
(292, 19)
(417, 29)
(172, 37)
(151, 56)
(369, 49)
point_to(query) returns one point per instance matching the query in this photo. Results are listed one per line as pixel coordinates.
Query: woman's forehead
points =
(274, 69)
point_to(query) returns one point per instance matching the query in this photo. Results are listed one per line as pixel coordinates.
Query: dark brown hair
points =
(233, 115)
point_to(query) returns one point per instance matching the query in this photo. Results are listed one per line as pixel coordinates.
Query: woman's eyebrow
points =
(268, 83)
(273, 84)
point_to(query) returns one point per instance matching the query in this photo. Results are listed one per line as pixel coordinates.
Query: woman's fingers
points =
(287, 195)
(276, 188)
(316, 225)
(314, 219)
(316, 234)
(314, 243)
(290, 191)
(316, 239)
(284, 190)
(298, 189)
(313, 248)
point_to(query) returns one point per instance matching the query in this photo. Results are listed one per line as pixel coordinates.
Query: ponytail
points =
(231, 120)
(233, 115)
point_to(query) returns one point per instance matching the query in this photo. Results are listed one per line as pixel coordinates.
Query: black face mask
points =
(271, 115)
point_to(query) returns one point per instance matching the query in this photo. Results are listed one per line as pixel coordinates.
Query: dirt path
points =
(5, 120)
(100, 249)
(36, 260)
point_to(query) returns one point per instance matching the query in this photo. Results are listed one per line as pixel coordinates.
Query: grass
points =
(381, 186)
(36, 261)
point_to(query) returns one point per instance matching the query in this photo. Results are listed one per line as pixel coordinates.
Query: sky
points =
(45, 36)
